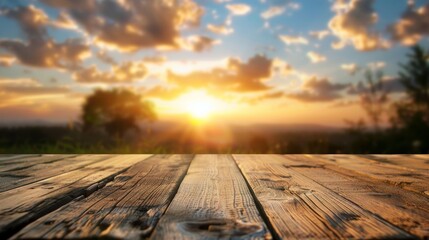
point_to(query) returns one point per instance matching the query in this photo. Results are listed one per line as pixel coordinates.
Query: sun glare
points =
(199, 105)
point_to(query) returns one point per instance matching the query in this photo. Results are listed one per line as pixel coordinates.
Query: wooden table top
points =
(214, 196)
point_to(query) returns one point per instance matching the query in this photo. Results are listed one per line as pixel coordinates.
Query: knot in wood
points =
(222, 228)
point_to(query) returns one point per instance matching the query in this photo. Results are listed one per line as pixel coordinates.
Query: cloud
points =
(263, 97)
(236, 76)
(281, 67)
(40, 50)
(220, 29)
(319, 90)
(351, 68)
(131, 25)
(24, 99)
(161, 92)
(64, 21)
(354, 24)
(47, 54)
(272, 12)
(412, 26)
(278, 7)
(239, 9)
(14, 90)
(320, 35)
(316, 57)
(389, 84)
(289, 40)
(154, 59)
(6, 60)
(104, 57)
(198, 43)
(376, 65)
(127, 72)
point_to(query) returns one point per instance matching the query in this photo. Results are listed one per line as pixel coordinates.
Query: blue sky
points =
(271, 62)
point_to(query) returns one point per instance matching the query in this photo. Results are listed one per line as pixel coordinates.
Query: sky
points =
(242, 62)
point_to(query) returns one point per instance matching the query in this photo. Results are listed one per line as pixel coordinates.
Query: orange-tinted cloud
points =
(320, 35)
(354, 24)
(413, 25)
(40, 50)
(319, 90)
(220, 29)
(290, 40)
(123, 73)
(237, 76)
(272, 12)
(239, 9)
(198, 43)
(351, 68)
(130, 25)
(6, 60)
(316, 57)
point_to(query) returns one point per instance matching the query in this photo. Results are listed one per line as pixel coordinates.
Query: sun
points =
(199, 105)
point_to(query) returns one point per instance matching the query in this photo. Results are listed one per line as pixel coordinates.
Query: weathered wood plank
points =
(30, 161)
(404, 209)
(8, 157)
(410, 180)
(21, 205)
(409, 163)
(300, 208)
(421, 156)
(22, 176)
(213, 201)
(127, 207)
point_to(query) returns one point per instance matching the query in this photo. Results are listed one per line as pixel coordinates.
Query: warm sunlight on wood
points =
(199, 105)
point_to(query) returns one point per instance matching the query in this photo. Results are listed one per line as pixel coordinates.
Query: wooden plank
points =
(404, 209)
(298, 207)
(22, 176)
(8, 157)
(21, 205)
(409, 163)
(213, 201)
(421, 156)
(30, 161)
(410, 180)
(127, 207)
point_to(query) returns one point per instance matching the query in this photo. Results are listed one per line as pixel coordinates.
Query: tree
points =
(412, 113)
(415, 78)
(374, 98)
(374, 101)
(116, 111)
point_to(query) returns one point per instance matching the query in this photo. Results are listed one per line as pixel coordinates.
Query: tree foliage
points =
(375, 98)
(116, 111)
(409, 130)
(412, 112)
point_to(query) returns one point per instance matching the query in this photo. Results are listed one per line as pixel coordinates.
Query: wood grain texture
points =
(421, 156)
(212, 202)
(128, 207)
(20, 206)
(8, 157)
(29, 161)
(300, 208)
(31, 173)
(404, 209)
(408, 179)
(404, 161)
